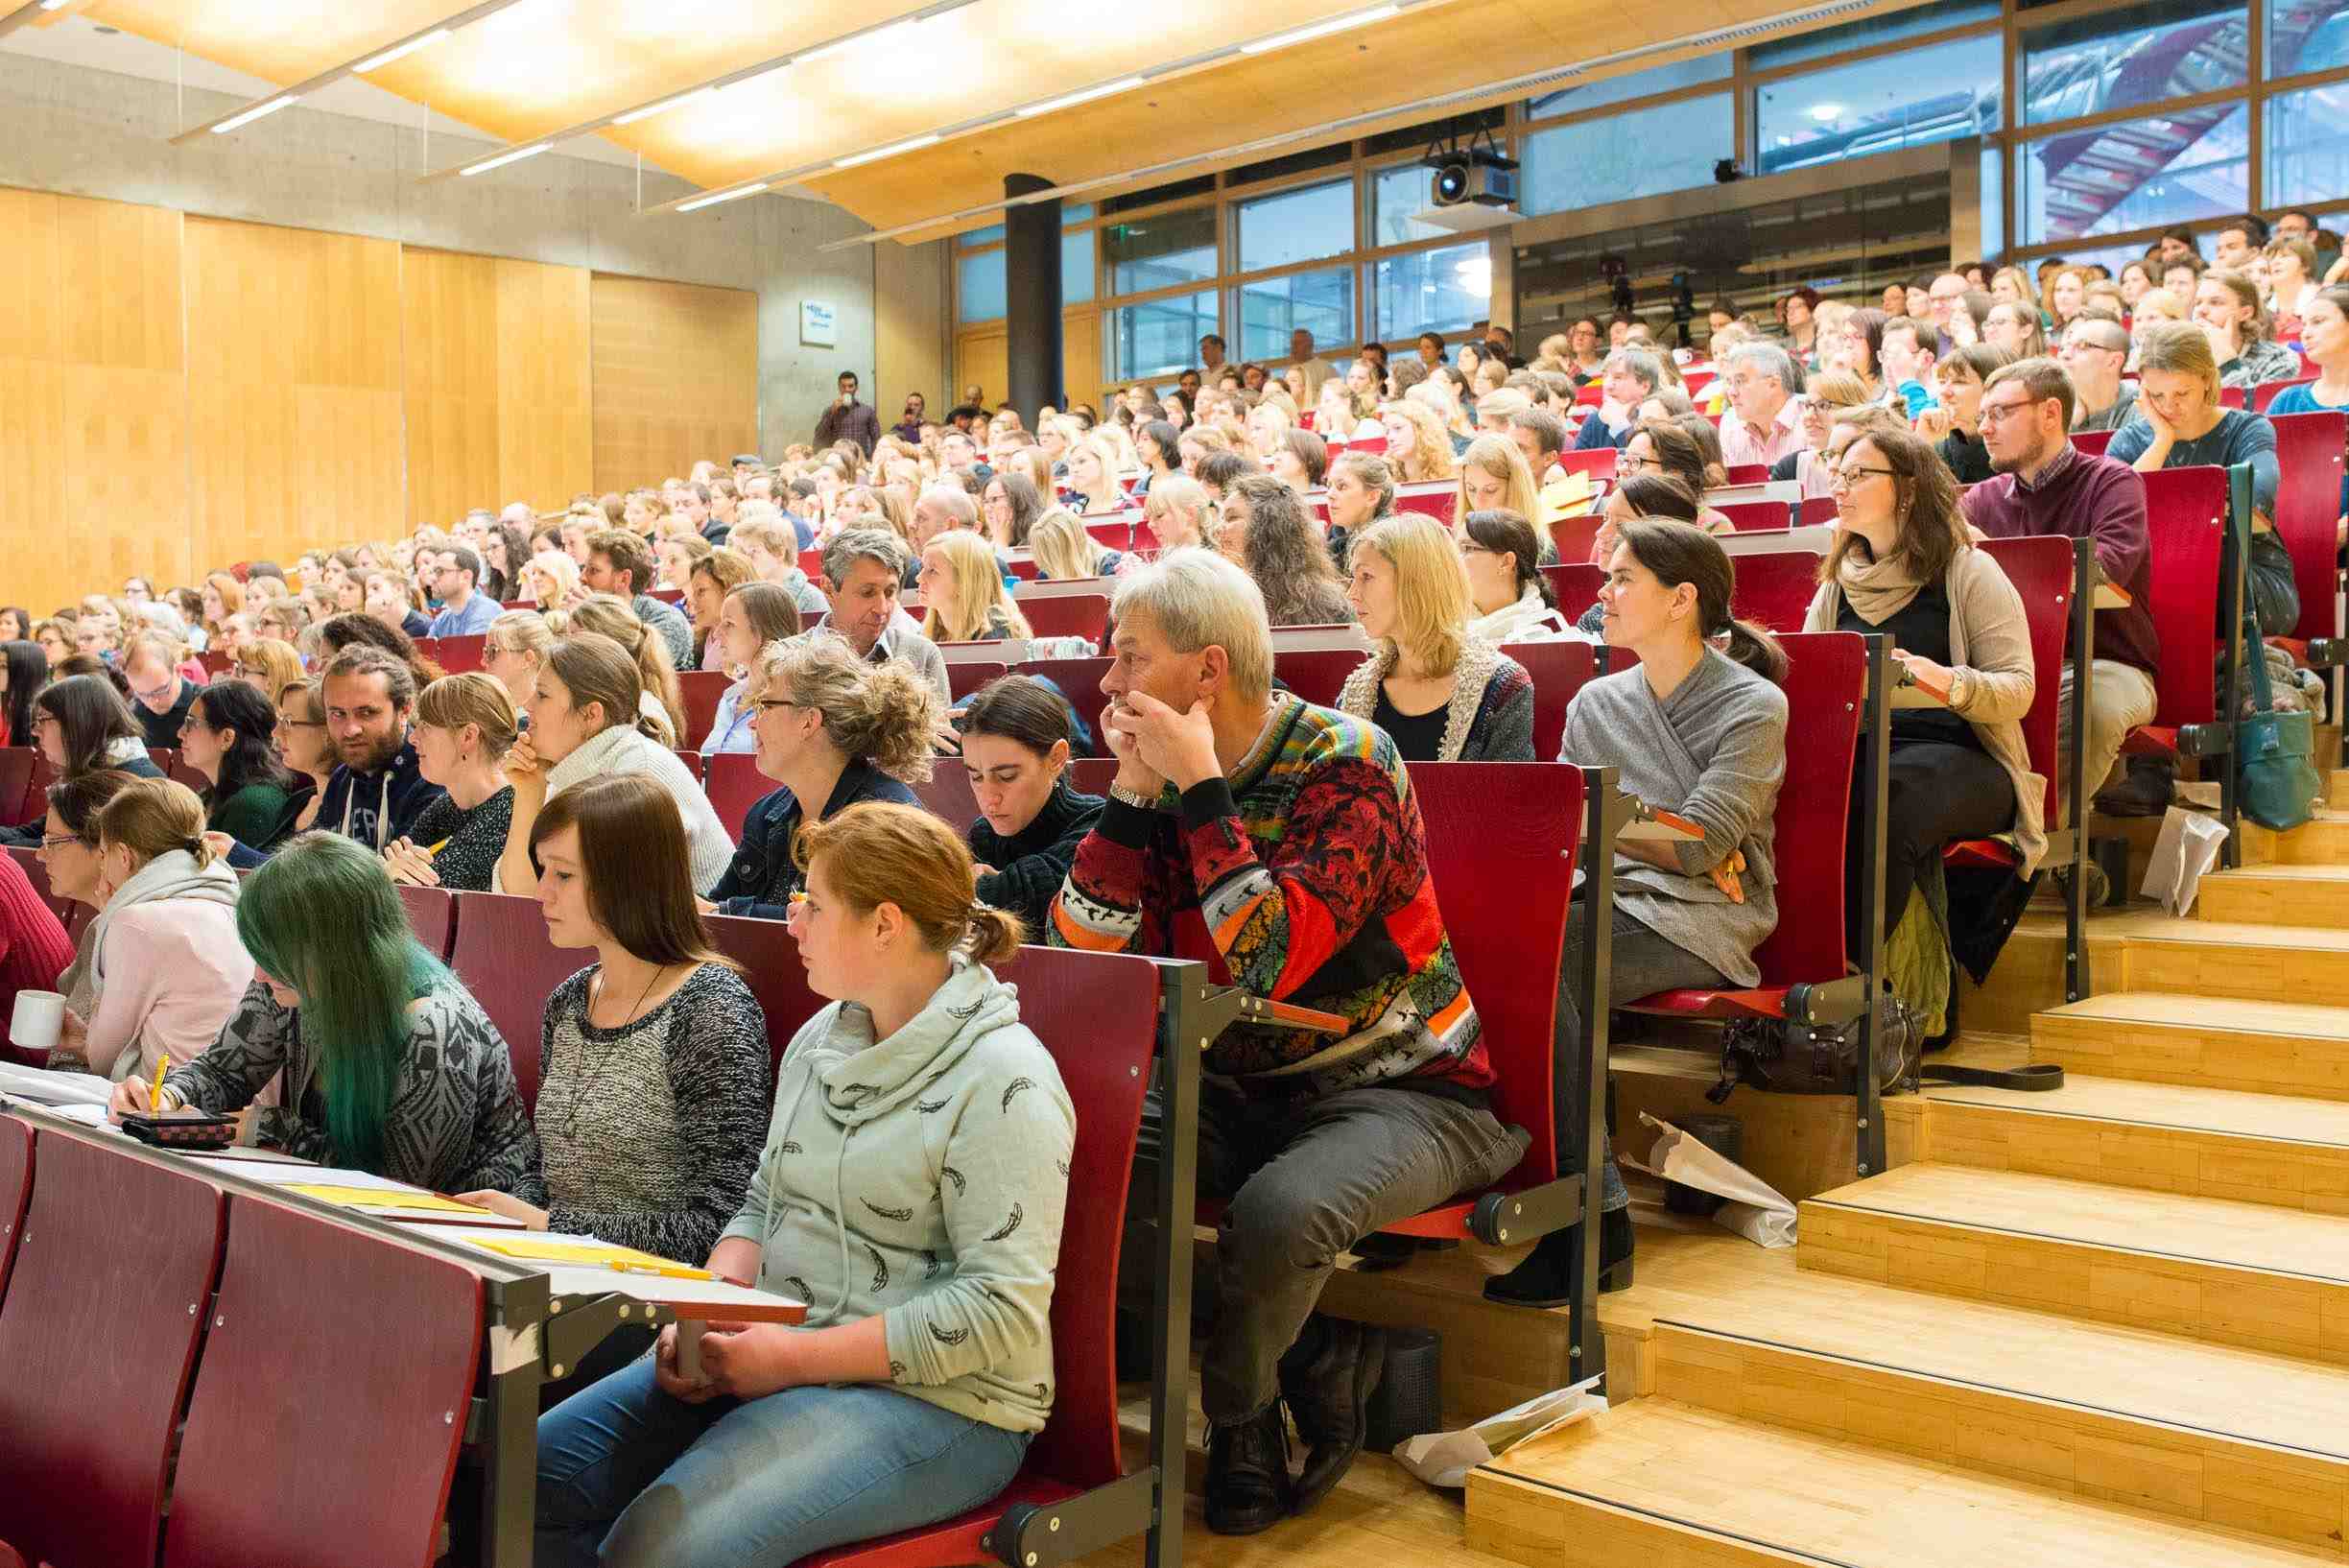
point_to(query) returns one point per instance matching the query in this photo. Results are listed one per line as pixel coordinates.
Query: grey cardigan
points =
(1714, 751)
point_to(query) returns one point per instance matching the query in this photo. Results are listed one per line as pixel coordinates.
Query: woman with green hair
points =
(390, 1065)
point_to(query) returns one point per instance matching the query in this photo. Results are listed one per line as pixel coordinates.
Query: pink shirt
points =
(1740, 446)
(175, 972)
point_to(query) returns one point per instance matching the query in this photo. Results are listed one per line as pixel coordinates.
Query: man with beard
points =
(377, 789)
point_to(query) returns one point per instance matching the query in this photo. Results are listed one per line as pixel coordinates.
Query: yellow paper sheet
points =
(1568, 497)
(378, 1198)
(579, 1254)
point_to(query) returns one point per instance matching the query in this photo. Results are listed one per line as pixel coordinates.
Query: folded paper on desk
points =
(1444, 1459)
(588, 1254)
(1755, 1210)
(46, 1086)
(376, 1199)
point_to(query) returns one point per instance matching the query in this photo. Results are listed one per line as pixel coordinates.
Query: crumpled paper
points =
(1444, 1459)
(1754, 1209)
(2187, 846)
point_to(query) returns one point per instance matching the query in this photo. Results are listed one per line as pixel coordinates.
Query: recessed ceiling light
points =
(504, 158)
(1085, 97)
(700, 202)
(663, 106)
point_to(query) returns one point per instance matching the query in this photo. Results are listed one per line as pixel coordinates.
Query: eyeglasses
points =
(303, 723)
(59, 841)
(1990, 414)
(762, 705)
(1843, 479)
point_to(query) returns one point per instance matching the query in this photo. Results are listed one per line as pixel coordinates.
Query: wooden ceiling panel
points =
(282, 41)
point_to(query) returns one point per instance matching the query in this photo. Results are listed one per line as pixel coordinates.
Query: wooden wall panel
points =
(676, 377)
(294, 387)
(546, 379)
(93, 402)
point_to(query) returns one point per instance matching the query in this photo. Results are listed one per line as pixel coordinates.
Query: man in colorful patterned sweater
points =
(1280, 842)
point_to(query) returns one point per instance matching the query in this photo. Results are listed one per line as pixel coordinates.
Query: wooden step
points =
(2284, 1048)
(2284, 895)
(2232, 1273)
(2224, 957)
(2321, 840)
(1663, 1482)
(2213, 1143)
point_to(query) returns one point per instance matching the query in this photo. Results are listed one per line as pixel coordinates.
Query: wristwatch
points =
(1133, 797)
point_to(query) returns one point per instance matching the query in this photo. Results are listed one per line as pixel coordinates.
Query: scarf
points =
(1878, 589)
(121, 749)
(594, 756)
(172, 874)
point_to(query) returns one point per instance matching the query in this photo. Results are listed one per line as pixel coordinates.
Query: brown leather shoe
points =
(1328, 1377)
(1247, 1487)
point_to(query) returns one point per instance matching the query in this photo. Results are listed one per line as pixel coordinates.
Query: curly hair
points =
(882, 713)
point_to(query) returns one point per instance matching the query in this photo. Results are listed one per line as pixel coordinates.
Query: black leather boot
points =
(1248, 1485)
(1541, 1279)
(1328, 1377)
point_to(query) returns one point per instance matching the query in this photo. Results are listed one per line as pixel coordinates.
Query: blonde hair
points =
(2158, 305)
(559, 569)
(1432, 600)
(611, 616)
(979, 597)
(1061, 546)
(527, 630)
(454, 702)
(1838, 389)
(1500, 456)
(880, 852)
(1431, 450)
(154, 817)
(284, 665)
(884, 714)
(2179, 348)
(1105, 454)
(1181, 493)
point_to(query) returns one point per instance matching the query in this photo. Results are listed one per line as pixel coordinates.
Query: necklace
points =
(586, 1090)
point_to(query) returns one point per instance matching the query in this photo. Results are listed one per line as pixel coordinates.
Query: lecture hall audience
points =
(1440, 694)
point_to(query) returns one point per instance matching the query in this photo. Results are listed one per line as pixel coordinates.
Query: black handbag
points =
(1787, 1057)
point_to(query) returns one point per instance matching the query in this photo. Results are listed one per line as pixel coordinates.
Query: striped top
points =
(1301, 877)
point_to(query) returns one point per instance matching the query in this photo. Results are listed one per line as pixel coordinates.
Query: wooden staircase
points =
(2106, 1324)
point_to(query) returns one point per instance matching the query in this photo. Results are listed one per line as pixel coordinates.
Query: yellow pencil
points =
(435, 848)
(662, 1271)
(154, 1101)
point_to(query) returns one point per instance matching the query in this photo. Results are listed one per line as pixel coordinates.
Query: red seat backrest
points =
(1744, 516)
(2039, 565)
(1092, 775)
(216, 663)
(15, 1190)
(165, 759)
(1826, 675)
(1113, 534)
(1316, 674)
(2267, 391)
(460, 654)
(2093, 441)
(734, 785)
(1079, 681)
(2186, 512)
(1442, 504)
(701, 690)
(181, 769)
(2231, 398)
(1747, 473)
(811, 561)
(432, 913)
(1590, 395)
(1774, 589)
(37, 787)
(2308, 509)
(948, 794)
(1098, 1014)
(1084, 615)
(693, 762)
(965, 677)
(1376, 444)
(770, 966)
(1576, 583)
(1024, 567)
(1501, 842)
(359, 1429)
(1559, 667)
(98, 1334)
(16, 766)
(504, 957)
(1815, 511)
(1598, 462)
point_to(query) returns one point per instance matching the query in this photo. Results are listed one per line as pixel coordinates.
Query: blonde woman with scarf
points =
(1901, 564)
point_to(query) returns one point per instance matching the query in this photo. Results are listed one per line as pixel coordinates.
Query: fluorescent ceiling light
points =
(828, 50)
(701, 202)
(55, 5)
(254, 114)
(1085, 97)
(890, 150)
(504, 158)
(1319, 30)
(662, 107)
(1826, 113)
(397, 50)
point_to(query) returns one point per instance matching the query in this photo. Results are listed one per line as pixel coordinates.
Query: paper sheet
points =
(2187, 846)
(1444, 1459)
(1755, 1210)
(45, 1086)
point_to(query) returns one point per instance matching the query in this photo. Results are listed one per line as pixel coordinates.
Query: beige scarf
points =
(1878, 589)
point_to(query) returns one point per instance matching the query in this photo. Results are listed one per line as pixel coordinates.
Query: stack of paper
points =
(43, 1086)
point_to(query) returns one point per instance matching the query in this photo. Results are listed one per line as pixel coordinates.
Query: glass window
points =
(1993, 202)
(1616, 89)
(1165, 249)
(2308, 145)
(1321, 302)
(1160, 338)
(1302, 224)
(1431, 291)
(1672, 146)
(2307, 36)
(980, 295)
(1396, 194)
(1076, 267)
(2140, 173)
(1080, 214)
(1933, 94)
(2119, 59)
(992, 234)
(1871, 29)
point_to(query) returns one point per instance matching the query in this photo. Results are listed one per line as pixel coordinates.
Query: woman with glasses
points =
(81, 724)
(1510, 599)
(1664, 447)
(1824, 395)
(1902, 566)
(830, 728)
(464, 726)
(268, 666)
(304, 747)
(229, 737)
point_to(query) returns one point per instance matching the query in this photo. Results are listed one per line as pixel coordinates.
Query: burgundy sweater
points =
(2085, 496)
(34, 948)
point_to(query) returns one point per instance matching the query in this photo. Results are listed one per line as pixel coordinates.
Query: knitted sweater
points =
(1490, 716)
(1031, 863)
(1303, 877)
(474, 839)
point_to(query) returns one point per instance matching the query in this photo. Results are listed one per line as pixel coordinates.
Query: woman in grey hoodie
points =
(911, 1193)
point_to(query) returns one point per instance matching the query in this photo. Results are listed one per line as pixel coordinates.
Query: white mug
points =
(40, 1017)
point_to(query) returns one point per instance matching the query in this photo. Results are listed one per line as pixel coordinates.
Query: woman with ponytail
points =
(663, 696)
(910, 1191)
(388, 1064)
(588, 720)
(1697, 727)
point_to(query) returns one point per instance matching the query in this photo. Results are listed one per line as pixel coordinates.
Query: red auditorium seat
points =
(2267, 391)
(1079, 681)
(702, 689)
(432, 912)
(17, 764)
(2308, 512)
(2186, 511)
(1747, 473)
(734, 785)
(2093, 441)
(1573, 538)
(1815, 511)
(948, 794)
(1826, 680)
(1598, 462)
(2042, 568)
(216, 663)
(1559, 667)
(1776, 590)
(1098, 1014)
(1746, 516)
(504, 957)
(964, 677)
(1316, 675)
(35, 802)
(1575, 585)
(1119, 534)
(770, 966)
(458, 655)
(15, 1190)
(1084, 615)
(1092, 775)
(694, 762)
(357, 1428)
(118, 1257)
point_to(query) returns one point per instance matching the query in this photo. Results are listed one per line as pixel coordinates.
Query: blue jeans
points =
(629, 1475)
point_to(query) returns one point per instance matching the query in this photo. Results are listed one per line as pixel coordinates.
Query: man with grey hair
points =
(1629, 377)
(865, 568)
(1250, 828)
(1764, 418)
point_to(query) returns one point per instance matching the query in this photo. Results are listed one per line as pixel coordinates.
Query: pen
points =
(435, 848)
(154, 1101)
(661, 1270)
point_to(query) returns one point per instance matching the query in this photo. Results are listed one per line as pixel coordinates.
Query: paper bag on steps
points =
(2187, 846)
(1444, 1459)
(1754, 1208)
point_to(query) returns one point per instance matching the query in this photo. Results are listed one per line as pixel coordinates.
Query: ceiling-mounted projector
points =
(1470, 188)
